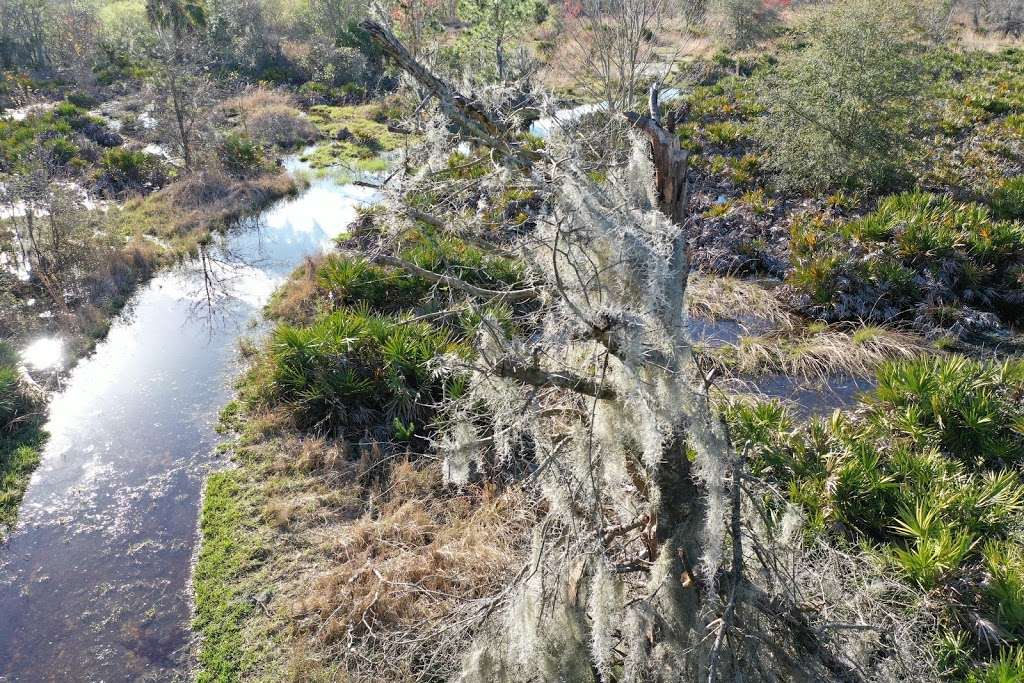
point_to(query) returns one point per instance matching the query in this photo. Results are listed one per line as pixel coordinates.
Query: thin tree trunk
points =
(179, 115)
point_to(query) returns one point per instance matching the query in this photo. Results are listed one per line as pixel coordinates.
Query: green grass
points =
(21, 438)
(1008, 199)
(226, 577)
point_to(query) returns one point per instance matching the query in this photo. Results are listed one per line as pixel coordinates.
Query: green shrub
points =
(82, 100)
(354, 371)
(351, 281)
(925, 473)
(1008, 199)
(10, 396)
(13, 401)
(20, 435)
(744, 22)
(840, 112)
(1009, 668)
(1004, 592)
(475, 266)
(62, 150)
(241, 155)
(68, 110)
(124, 170)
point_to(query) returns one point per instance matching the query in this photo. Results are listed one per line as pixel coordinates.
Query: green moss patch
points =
(356, 136)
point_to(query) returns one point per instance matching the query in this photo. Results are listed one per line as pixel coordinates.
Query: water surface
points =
(94, 579)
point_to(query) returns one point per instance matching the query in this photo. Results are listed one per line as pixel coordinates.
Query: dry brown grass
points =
(713, 297)
(817, 352)
(184, 213)
(378, 570)
(271, 117)
(419, 555)
(256, 99)
(297, 301)
(204, 199)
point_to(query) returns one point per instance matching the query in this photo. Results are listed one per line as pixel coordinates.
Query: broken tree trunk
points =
(670, 160)
(623, 582)
(474, 120)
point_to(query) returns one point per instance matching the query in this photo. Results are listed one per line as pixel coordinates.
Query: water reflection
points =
(93, 582)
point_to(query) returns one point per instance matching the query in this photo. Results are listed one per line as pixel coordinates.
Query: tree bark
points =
(670, 162)
(474, 120)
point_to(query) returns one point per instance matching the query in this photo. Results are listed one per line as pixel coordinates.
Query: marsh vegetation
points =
(515, 422)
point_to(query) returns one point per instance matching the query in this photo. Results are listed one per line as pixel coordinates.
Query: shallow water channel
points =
(94, 579)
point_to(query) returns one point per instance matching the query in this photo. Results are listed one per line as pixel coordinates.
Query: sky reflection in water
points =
(93, 583)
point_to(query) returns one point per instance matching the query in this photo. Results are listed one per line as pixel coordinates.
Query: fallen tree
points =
(657, 558)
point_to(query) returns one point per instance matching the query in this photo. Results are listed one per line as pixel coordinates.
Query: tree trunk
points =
(179, 116)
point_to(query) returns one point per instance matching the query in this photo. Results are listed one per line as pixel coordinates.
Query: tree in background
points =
(1004, 17)
(493, 24)
(417, 21)
(840, 112)
(181, 81)
(51, 238)
(613, 45)
(23, 33)
(241, 39)
(744, 22)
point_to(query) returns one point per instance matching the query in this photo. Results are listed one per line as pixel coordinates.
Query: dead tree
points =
(642, 489)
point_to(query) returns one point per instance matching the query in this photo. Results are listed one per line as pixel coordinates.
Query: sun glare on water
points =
(44, 354)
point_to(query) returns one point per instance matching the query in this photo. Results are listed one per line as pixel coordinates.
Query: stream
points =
(94, 579)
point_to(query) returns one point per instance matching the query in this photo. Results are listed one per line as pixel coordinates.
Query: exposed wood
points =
(670, 162)
(467, 113)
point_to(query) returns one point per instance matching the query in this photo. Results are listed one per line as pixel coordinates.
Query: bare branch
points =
(511, 368)
(512, 295)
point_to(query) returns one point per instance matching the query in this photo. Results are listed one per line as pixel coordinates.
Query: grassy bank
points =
(21, 436)
(335, 530)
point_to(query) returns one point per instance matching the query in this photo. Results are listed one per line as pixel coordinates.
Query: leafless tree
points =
(47, 221)
(613, 47)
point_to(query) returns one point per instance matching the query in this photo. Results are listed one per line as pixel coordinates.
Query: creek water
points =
(94, 578)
